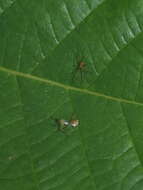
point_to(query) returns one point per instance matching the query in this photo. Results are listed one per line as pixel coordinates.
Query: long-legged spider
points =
(80, 70)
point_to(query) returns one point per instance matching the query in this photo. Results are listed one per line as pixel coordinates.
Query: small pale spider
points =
(62, 123)
(74, 123)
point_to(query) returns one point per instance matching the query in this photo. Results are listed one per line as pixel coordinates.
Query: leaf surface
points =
(41, 43)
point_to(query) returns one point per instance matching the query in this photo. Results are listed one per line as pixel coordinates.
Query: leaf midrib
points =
(67, 87)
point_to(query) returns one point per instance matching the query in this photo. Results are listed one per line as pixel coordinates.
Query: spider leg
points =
(73, 116)
(74, 73)
(81, 59)
(81, 75)
(73, 76)
(61, 129)
(87, 71)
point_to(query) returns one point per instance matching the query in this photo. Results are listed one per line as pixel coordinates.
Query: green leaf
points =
(41, 43)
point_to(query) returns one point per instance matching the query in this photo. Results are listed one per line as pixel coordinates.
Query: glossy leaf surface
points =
(41, 44)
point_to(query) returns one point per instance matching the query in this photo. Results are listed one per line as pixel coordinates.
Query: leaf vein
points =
(67, 87)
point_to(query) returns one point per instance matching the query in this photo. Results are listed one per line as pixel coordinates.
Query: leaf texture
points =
(40, 44)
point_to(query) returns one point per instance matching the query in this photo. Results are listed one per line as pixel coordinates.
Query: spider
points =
(62, 124)
(79, 68)
(73, 122)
